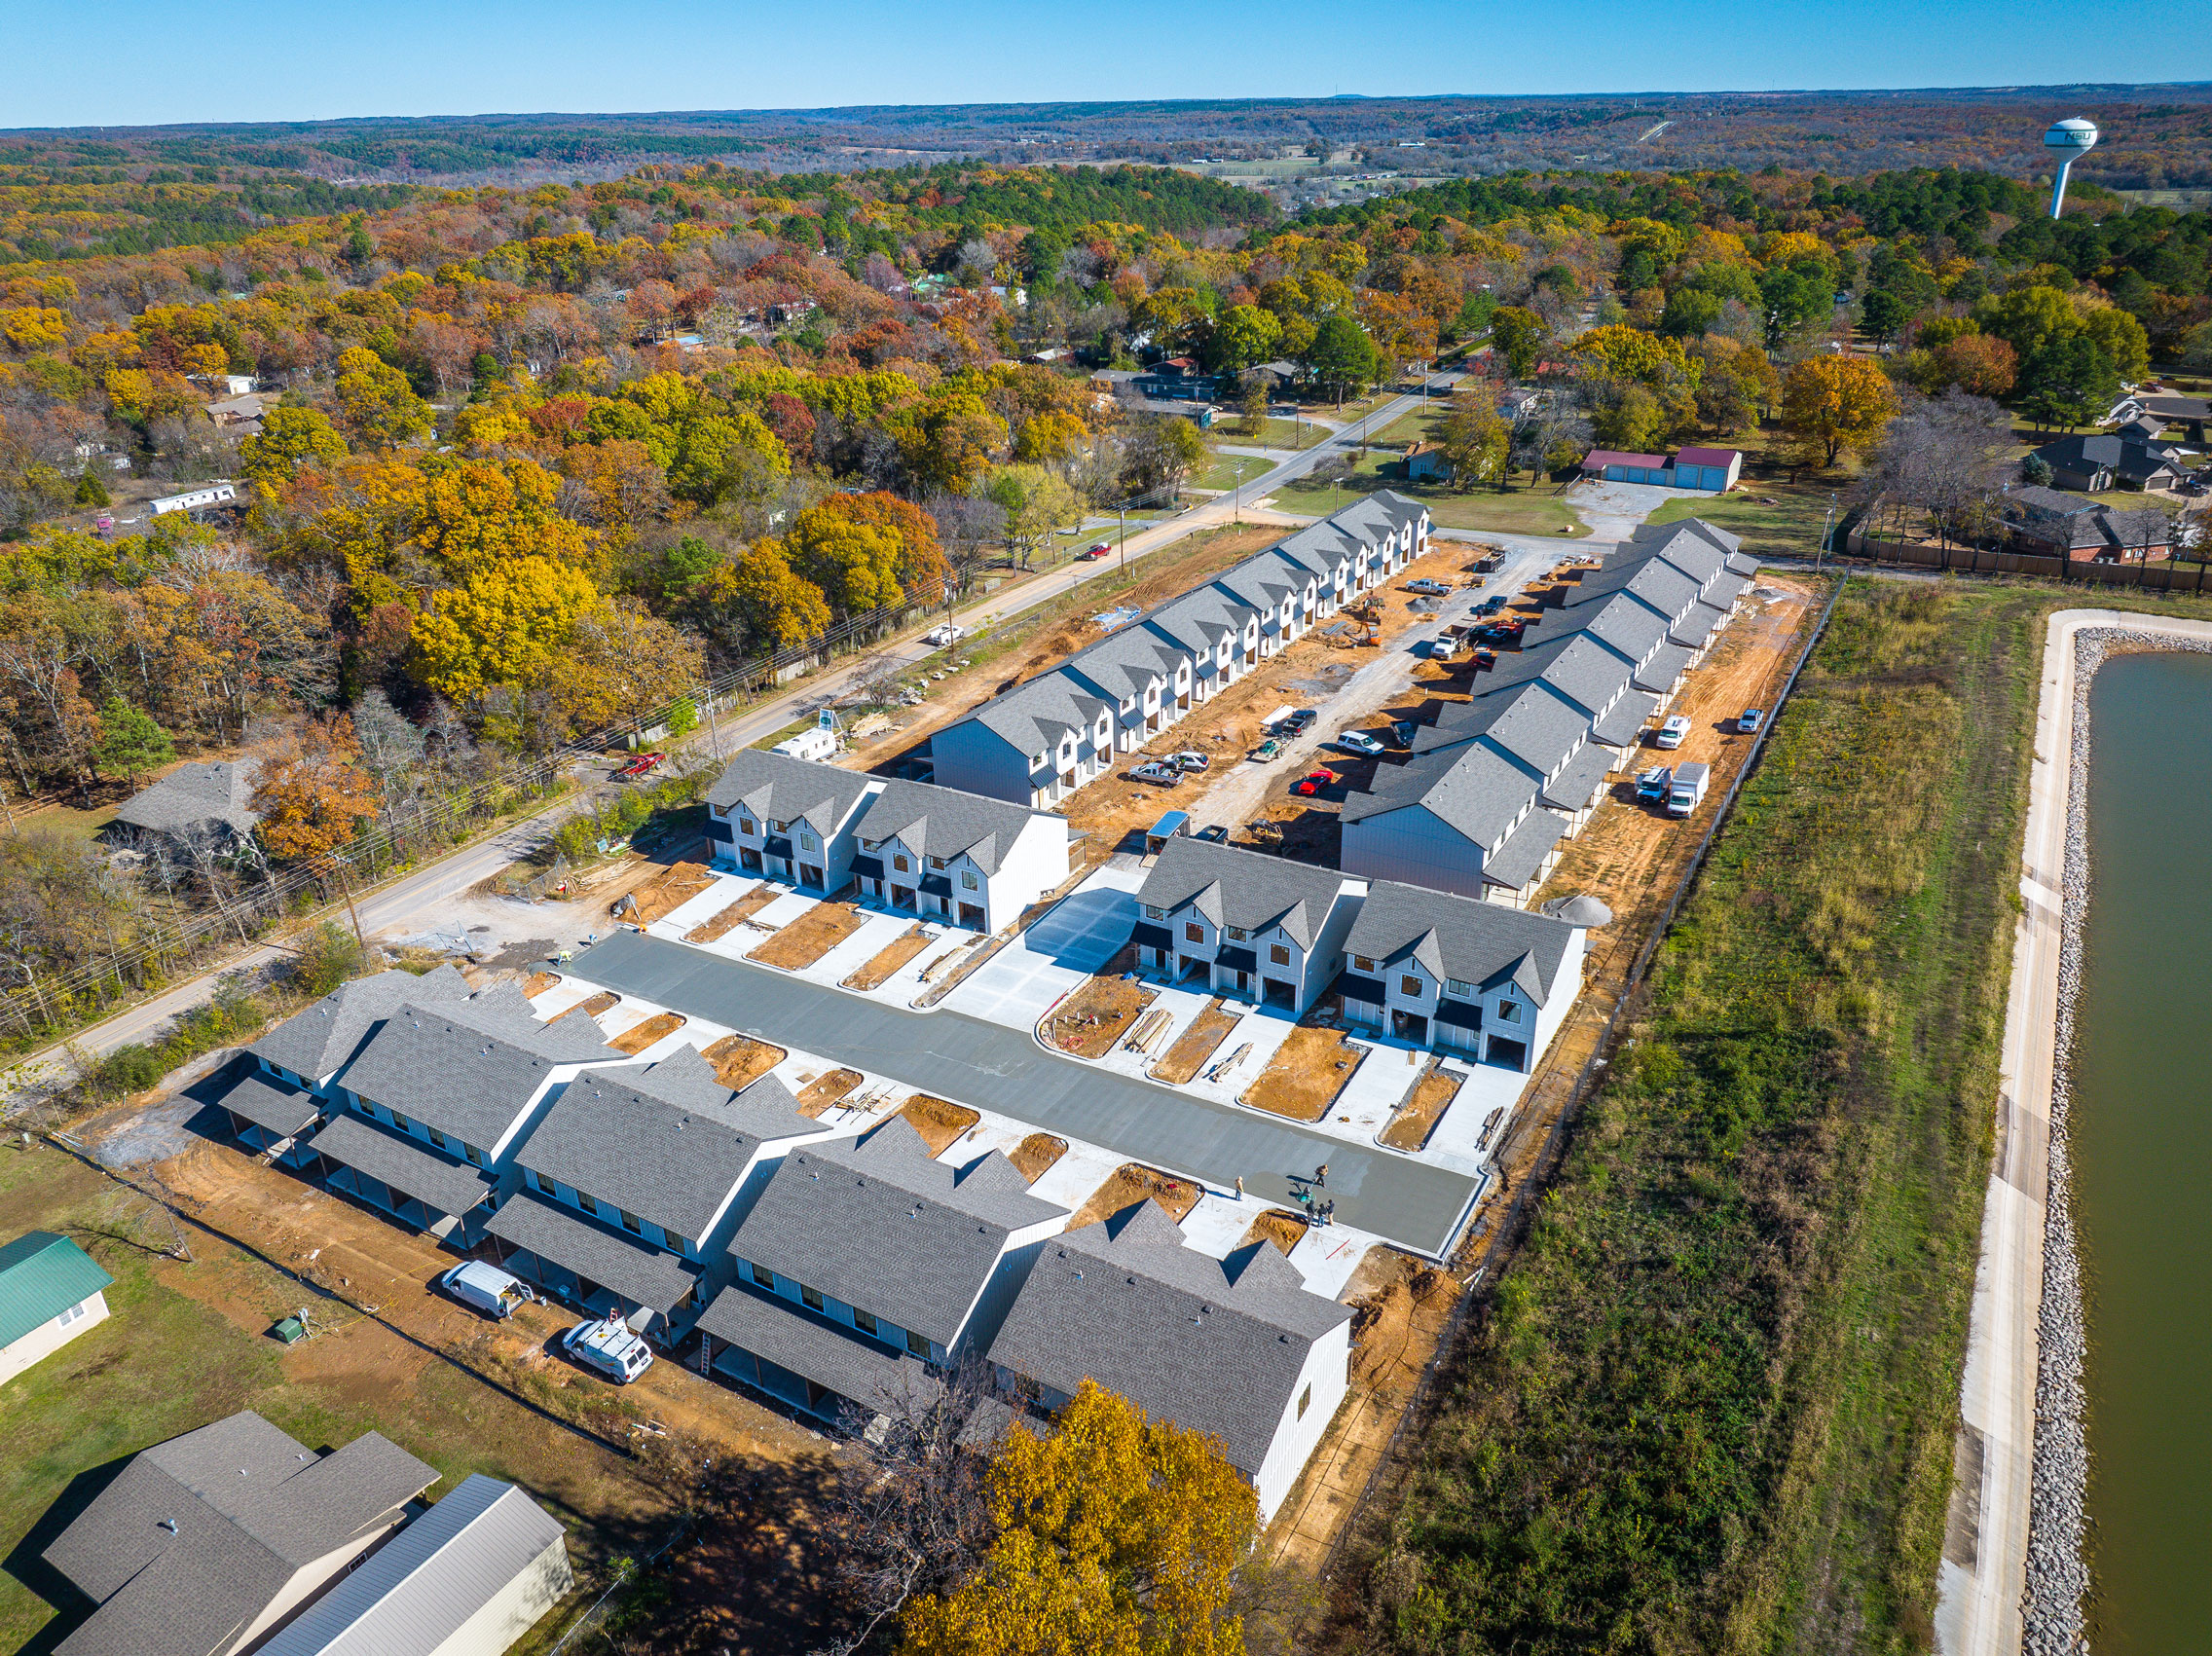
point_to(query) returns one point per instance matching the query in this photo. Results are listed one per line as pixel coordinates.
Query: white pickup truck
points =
(1686, 792)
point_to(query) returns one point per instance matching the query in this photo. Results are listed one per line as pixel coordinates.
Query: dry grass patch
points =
(637, 1040)
(1424, 1108)
(1305, 1075)
(1091, 1020)
(738, 1060)
(887, 961)
(1197, 1044)
(732, 916)
(938, 1121)
(1134, 1182)
(664, 894)
(1036, 1154)
(810, 936)
(1279, 1226)
(824, 1092)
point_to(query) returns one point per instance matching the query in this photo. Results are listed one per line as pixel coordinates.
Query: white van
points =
(486, 1288)
(815, 744)
(1671, 733)
(1687, 790)
(609, 1348)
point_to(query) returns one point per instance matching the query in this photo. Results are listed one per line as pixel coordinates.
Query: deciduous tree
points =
(377, 403)
(309, 792)
(1836, 402)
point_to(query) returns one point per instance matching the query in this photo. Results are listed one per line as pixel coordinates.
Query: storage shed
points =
(1170, 827)
(50, 1290)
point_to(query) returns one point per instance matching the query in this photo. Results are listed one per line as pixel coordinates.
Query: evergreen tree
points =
(130, 742)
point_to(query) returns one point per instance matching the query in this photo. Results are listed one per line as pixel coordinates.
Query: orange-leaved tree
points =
(1114, 1536)
(309, 792)
(1833, 403)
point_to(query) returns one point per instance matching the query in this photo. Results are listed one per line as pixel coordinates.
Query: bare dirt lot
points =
(1417, 1117)
(938, 1121)
(607, 1000)
(810, 936)
(637, 1039)
(667, 892)
(537, 982)
(1035, 1154)
(1201, 1039)
(1279, 1226)
(738, 1060)
(1132, 1182)
(1091, 1020)
(820, 1094)
(1305, 1075)
(888, 959)
(727, 919)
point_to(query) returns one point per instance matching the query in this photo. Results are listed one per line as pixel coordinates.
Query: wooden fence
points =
(2161, 574)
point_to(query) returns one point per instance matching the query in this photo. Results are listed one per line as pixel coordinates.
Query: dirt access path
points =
(1132, 1182)
(738, 1060)
(727, 919)
(1201, 1039)
(887, 961)
(1417, 1117)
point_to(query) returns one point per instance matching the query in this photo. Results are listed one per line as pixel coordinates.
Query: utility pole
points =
(1237, 495)
(1122, 513)
(1827, 529)
(714, 726)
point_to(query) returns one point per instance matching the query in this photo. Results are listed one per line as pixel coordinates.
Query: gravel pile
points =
(2058, 1569)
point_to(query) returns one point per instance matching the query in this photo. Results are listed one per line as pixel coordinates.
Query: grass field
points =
(1222, 473)
(1522, 511)
(1273, 433)
(1711, 1403)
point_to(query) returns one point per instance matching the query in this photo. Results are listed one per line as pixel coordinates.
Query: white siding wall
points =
(1327, 1371)
(517, 1607)
(52, 1335)
(1036, 862)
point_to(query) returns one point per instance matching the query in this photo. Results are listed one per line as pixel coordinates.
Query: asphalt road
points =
(1004, 1070)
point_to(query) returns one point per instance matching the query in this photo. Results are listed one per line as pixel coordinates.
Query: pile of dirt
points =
(1398, 1302)
(738, 1060)
(938, 1121)
(1284, 1229)
(636, 1040)
(819, 1095)
(1423, 1108)
(1037, 1152)
(1305, 1075)
(734, 914)
(1197, 1044)
(1091, 1020)
(810, 936)
(885, 966)
(663, 894)
(1132, 1182)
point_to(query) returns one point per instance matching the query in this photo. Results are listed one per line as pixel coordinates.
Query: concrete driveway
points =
(1016, 986)
(1613, 510)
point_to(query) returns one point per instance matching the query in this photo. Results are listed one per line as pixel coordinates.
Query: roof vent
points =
(1079, 1277)
(168, 1524)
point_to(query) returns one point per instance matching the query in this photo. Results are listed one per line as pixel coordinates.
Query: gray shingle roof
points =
(190, 797)
(406, 1166)
(669, 1142)
(470, 1067)
(281, 1108)
(1668, 663)
(1515, 862)
(946, 821)
(631, 1266)
(421, 1586)
(1620, 728)
(827, 1353)
(788, 789)
(198, 1536)
(1575, 786)
(1459, 937)
(1473, 788)
(1577, 667)
(875, 1221)
(1527, 722)
(1246, 888)
(319, 1041)
(1215, 1345)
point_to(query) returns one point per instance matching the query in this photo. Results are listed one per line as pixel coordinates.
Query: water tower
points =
(2065, 140)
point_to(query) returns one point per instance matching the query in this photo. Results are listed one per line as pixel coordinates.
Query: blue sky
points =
(148, 61)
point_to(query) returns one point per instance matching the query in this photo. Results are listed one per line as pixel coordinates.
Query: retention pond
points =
(2142, 1145)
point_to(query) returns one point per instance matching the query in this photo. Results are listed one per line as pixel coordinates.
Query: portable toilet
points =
(1166, 828)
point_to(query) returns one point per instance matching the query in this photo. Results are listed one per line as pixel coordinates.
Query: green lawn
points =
(1518, 511)
(1419, 423)
(1222, 473)
(1273, 433)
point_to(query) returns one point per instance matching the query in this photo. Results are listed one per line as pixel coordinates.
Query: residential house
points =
(2045, 523)
(1234, 1347)
(439, 1101)
(203, 1544)
(1058, 732)
(2123, 459)
(50, 1290)
(1243, 923)
(634, 1182)
(1426, 463)
(958, 858)
(1489, 982)
(786, 818)
(467, 1579)
(866, 1268)
(210, 802)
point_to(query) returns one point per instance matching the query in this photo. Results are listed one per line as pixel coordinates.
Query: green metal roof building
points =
(50, 1290)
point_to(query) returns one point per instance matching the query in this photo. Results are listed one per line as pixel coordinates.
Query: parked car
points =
(609, 1348)
(1402, 731)
(1097, 549)
(1686, 792)
(1267, 749)
(1312, 781)
(645, 765)
(1753, 718)
(486, 1288)
(1298, 723)
(1189, 759)
(1651, 785)
(1428, 588)
(1157, 770)
(1671, 733)
(944, 636)
(1214, 835)
(1491, 606)
(1358, 741)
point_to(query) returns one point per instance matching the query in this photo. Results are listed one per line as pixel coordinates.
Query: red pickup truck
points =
(645, 765)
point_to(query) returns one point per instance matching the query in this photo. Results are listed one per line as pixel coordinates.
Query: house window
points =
(865, 1321)
(811, 1298)
(71, 1316)
(871, 845)
(1363, 963)
(1304, 1398)
(1192, 931)
(1236, 934)
(1153, 913)
(1410, 986)
(1278, 954)
(1459, 987)
(475, 1155)
(917, 1344)
(936, 861)
(439, 1139)
(1509, 1012)
(631, 1222)
(967, 879)
(776, 826)
(402, 1122)
(900, 862)
(676, 1243)
(763, 1276)
(746, 824)
(808, 841)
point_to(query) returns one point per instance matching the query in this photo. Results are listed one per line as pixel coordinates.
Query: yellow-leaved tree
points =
(1833, 403)
(501, 626)
(1115, 1537)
